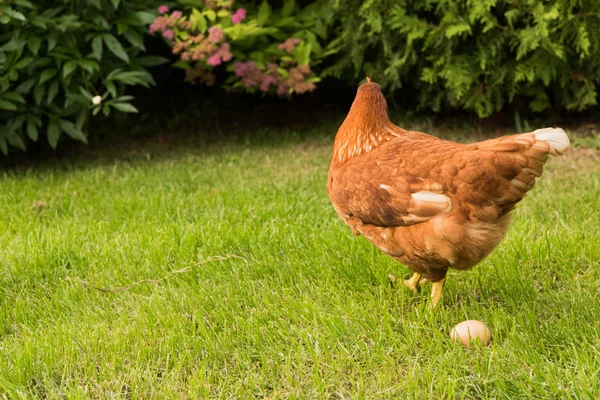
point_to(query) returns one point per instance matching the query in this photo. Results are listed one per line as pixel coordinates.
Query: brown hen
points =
(431, 204)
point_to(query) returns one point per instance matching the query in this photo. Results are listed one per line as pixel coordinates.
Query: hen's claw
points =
(413, 282)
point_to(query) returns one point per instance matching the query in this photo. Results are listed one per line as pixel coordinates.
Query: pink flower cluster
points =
(215, 35)
(289, 44)
(203, 52)
(222, 54)
(238, 16)
(200, 47)
(165, 23)
(252, 76)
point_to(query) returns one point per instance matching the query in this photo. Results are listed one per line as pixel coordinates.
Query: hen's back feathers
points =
(518, 160)
(415, 177)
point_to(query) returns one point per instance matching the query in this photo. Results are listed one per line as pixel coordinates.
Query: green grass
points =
(224, 272)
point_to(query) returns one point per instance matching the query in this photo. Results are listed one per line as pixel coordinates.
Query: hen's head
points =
(366, 126)
(369, 104)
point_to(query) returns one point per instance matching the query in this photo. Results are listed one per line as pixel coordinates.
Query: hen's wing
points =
(384, 188)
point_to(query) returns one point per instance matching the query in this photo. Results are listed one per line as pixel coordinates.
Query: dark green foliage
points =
(474, 54)
(55, 56)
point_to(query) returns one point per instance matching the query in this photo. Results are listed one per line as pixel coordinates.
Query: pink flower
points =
(161, 24)
(238, 16)
(220, 55)
(215, 35)
(240, 69)
(214, 60)
(176, 14)
(282, 89)
(168, 34)
(289, 44)
(267, 81)
(225, 53)
(163, 9)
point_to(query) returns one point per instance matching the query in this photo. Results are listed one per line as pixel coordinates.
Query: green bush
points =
(473, 54)
(57, 57)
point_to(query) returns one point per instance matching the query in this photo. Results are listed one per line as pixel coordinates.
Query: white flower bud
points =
(97, 100)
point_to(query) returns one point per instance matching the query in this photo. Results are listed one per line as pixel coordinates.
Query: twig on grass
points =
(172, 273)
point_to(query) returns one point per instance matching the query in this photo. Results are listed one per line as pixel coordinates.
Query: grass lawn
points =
(223, 272)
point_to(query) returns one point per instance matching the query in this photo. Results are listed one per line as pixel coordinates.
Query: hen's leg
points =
(436, 292)
(413, 282)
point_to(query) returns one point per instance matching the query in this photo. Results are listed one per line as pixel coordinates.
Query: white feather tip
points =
(555, 137)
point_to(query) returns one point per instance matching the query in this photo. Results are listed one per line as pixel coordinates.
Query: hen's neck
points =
(355, 139)
(366, 127)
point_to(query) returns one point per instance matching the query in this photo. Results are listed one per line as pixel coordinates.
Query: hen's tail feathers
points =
(556, 138)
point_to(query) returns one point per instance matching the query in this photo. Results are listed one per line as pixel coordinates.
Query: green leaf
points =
(70, 129)
(13, 96)
(97, 47)
(198, 19)
(23, 3)
(13, 75)
(457, 30)
(34, 43)
(151, 61)
(87, 94)
(288, 8)
(38, 93)
(52, 41)
(303, 53)
(115, 47)
(53, 133)
(52, 91)
(15, 139)
(101, 22)
(95, 3)
(121, 27)
(145, 17)
(112, 88)
(283, 72)
(89, 65)
(23, 63)
(7, 105)
(81, 118)
(134, 38)
(124, 107)
(32, 130)
(14, 44)
(264, 12)
(122, 99)
(69, 67)
(47, 74)
(211, 15)
(13, 14)
(115, 3)
(26, 86)
(223, 13)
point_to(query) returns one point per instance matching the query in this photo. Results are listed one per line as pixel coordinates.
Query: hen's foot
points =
(436, 292)
(413, 282)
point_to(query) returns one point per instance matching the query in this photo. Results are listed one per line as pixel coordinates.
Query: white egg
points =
(466, 331)
(97, 100)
